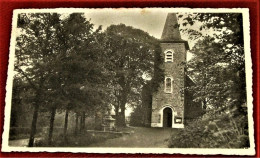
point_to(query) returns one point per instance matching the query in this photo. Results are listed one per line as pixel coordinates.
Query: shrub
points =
(222, 131)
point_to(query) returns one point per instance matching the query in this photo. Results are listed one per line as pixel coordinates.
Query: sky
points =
(148, 21)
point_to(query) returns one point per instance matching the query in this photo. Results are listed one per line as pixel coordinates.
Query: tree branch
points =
(26, 76)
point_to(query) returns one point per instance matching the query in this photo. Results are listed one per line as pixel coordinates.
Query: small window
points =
(169, 56)
(168, 85)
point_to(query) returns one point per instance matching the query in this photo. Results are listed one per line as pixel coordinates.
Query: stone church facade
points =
(171, 104)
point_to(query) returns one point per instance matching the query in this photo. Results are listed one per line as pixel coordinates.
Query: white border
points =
(249, 151)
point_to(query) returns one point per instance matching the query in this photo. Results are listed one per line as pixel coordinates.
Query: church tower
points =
(168, 101)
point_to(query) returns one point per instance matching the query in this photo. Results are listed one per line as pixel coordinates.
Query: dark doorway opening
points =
(167, 117)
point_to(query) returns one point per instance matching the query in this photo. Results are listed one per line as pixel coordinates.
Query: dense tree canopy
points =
(218, 66)
(218, 70)
(61, 60)
(67, 66)
(130, 52)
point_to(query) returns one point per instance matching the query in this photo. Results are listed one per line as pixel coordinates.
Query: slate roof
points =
(171, 32)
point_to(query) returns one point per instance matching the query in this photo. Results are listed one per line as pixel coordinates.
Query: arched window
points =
(169, 56)
(168, 85)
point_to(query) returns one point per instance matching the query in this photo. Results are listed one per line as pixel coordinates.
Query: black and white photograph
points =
(130, 80)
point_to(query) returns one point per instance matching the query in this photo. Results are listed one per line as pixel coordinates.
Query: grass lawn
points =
(80, 140)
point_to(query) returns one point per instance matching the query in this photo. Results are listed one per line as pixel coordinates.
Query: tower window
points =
(168, 85)
(168, 56)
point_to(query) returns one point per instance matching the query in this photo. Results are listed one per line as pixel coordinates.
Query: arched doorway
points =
(167, 117)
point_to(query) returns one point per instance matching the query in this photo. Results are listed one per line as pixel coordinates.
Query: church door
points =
(167, 117)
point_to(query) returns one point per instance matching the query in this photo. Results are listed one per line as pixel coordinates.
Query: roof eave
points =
(177, 41)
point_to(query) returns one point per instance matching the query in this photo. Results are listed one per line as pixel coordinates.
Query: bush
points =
(224, 131)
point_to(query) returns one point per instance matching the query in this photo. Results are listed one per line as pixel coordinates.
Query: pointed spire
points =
(171, 30)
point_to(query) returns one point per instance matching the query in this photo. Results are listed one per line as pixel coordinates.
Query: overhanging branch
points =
(26, 76)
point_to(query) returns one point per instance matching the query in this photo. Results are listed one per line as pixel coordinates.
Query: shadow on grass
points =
(79, 140)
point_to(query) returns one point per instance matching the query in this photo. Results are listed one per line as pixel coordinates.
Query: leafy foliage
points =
(130, 52)
(223, 131)
(218, 70)
(61, 62)
(67, 66)
(218, 66)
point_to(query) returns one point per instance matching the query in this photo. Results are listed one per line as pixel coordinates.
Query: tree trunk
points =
(77, 123)
(117, 104)
(80, 123)
(53, 112)
(66, 124)
(83, 122)
(33, 126)
(117, 114)
(123, 99)
(34, 120)
(122, 117)
(121, 121)
(98, 121)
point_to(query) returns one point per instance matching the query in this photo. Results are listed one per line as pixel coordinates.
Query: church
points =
(172, 105)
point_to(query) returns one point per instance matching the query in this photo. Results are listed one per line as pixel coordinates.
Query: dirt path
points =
(140, 137)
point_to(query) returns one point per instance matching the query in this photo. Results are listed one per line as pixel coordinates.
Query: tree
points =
(35, 48)
(206, 71)
(82, 75)
(219, 57)
(75, 38)
(141, 115)
(130, 52)
(62, 61)
(218, 69)
(21, 108)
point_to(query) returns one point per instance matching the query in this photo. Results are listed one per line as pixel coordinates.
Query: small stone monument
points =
(108, 121)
